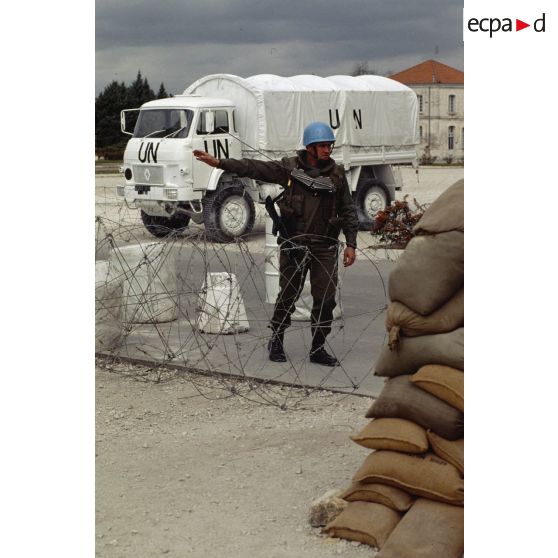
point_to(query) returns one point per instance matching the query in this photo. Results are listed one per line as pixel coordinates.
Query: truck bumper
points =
(139, 193)
(161, 201)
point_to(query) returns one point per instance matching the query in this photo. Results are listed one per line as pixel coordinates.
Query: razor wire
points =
(152, 293)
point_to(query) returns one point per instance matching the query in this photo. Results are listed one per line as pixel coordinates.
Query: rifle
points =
(279, 227)
(278, 224)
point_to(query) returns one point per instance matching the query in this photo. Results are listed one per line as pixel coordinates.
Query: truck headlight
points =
(128, 174)
(171, 193)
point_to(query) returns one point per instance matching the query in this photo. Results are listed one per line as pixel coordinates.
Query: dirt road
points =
(184, 468)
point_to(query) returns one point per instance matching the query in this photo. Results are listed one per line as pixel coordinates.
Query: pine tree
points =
(162, 94)
(139, 92)
(115, 98)
(108, 105)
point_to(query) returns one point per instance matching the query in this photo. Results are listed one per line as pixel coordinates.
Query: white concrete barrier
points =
(222, 307)
(149, 286)
(108, 309)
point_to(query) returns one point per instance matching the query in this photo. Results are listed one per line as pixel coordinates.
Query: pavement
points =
(357, 336)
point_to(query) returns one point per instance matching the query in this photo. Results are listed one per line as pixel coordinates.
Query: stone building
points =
(439, 89)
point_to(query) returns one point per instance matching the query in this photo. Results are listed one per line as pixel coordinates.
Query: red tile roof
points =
(429, 72)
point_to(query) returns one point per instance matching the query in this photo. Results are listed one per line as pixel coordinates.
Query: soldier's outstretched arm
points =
(275, 172)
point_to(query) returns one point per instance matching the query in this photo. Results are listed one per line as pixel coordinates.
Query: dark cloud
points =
(174, 41)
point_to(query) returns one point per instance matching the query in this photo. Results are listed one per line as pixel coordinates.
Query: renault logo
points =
(147, 174)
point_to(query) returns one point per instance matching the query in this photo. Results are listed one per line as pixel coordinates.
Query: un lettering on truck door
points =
(219, 148)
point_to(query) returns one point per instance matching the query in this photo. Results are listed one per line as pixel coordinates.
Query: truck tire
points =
(371, 197)
(228, 213)
(165, 226)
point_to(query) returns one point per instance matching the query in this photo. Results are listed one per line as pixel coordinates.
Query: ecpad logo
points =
(494, 24)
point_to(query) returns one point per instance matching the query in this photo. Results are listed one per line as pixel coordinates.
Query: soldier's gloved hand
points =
(205, 158)
(349, 256)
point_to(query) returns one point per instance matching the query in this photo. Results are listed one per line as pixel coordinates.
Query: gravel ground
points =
(184, 468)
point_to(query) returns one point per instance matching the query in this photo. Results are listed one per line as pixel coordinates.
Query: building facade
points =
(440, 94)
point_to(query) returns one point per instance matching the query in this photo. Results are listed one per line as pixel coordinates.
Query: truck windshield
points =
(159, 123)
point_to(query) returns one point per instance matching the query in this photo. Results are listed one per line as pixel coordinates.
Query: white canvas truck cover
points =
(371, 115)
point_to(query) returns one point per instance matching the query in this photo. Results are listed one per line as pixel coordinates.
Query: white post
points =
(271, 254)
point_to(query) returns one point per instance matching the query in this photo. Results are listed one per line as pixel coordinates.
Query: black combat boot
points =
(275, 348)
(321, 356)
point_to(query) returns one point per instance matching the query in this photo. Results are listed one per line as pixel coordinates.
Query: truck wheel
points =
(370, 198)
(228, 213)
(164, 226)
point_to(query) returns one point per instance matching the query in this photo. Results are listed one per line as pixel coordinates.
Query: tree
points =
(108, 105)
(111, 101)
(139, 92)
(162, 94)
(361, 69)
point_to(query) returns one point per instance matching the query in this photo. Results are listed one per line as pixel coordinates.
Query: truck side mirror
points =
(123, 121)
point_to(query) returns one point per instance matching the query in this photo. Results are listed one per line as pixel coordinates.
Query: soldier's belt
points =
(319, 184)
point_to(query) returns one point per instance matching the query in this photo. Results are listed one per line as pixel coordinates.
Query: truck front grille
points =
(148, 174)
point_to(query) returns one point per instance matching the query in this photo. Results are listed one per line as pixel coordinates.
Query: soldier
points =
(312, 218)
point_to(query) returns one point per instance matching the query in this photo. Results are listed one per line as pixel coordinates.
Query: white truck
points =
(375, 121)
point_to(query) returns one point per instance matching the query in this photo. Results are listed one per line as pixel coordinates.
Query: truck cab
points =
(165, 181)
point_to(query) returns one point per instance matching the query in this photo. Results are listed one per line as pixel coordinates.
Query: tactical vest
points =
(311, 213)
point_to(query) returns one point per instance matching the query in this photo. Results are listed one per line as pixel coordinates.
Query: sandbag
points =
(366, 522)
(422, 475)
(413, 352)
(446, 383)
(452, 451)
(389, 496)
(400, 398)
(393, 434)
(428, 530)
(446, 213)
(429, 272)
(401, 320)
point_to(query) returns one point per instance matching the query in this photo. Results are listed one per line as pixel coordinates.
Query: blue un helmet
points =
(317, 132)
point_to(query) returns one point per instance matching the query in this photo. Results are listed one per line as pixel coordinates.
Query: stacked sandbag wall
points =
(407, 497)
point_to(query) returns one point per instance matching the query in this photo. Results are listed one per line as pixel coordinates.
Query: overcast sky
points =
(179, 41)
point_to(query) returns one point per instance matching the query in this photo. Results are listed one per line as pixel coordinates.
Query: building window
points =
(451, 104)
(420, 133)
(451, 134)
(462, 138)
(419, 97)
